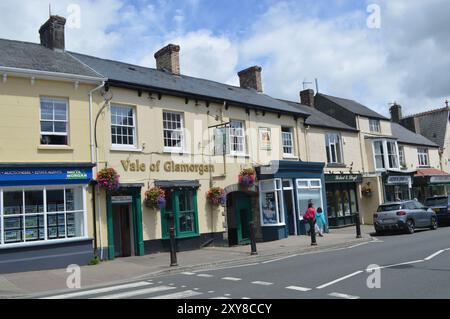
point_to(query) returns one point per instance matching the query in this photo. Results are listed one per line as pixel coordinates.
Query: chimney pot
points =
(307, 97)
(396, 113)
(52, 33)
(168, 58)
(251, 78)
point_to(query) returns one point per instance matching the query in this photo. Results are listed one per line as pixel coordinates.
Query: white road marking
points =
(298, 288)
(231, 278)
(357, 245)
(179, 295)
(434, 255)
(395, 265)
(278, 259)
(345, 296)
(99, 290)
(220, 298)
(262, 283)
(211, 291)
(188, 273)
(230, 267)
(339, 279)
(205, 275)
(227, 295)
(245, 298)
(134, 293)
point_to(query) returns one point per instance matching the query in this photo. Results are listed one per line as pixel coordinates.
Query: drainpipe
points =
(91, 124)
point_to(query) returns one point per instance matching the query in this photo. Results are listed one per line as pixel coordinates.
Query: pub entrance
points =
(123, 230)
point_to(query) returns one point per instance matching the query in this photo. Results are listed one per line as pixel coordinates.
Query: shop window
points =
(181, 212)
(288, 141)
(42, 214)
(334, 148)
(374, 126)
(123, 126)
(271, 203)
(173, 126)
(423, 156)
(308, 191)
(54, 121)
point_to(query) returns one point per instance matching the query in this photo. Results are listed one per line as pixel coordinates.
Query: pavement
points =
(125, 270)
(395, 266)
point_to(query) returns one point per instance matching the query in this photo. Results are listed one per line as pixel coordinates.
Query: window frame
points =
(402, 156)
(53, 120)
(134, 127)
(375, 126)
(423, 157)
(285, 146)
(230, 138)
(338, 148)
(171, 149)
(277, 189)
(299, 185)
(45, 214)
(385, 154)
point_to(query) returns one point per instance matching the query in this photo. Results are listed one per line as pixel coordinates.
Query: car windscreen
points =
(388, 208)
(436, 201)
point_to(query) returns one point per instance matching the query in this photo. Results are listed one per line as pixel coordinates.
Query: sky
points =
(373, 51)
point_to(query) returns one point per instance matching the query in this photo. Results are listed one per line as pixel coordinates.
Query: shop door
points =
(289, 210)
(243, 218)
(122, 230)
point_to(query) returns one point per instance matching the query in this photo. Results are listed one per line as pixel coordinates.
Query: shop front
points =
(43, 216)
(342, 200)
(285, 190)
(430, 182)
(398, 186)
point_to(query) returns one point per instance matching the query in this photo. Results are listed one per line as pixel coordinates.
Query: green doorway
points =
(243, 213)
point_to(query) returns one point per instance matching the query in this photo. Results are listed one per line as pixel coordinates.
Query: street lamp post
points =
(358, 226)
(173, 253)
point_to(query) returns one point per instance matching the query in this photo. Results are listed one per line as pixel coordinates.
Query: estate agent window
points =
(374, 126)
(123, 126)
(181, 212)
(423, 156)
(54, 121)
(288, 141)
(334, 148)
(271, 202)
(173, 125)
(308, 191)
(237, 137)
(35, 214)
(386, 154)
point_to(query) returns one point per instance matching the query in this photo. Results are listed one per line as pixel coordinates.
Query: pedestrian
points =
(320, 221)
(310, 217)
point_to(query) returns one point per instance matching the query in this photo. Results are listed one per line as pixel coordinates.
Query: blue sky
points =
(293, 40)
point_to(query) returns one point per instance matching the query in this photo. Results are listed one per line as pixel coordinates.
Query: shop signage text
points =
(168, 167)
(444, 179)
(350, 178)
(399, 180)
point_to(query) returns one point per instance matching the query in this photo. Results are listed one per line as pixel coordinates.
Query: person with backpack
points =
(310, 217)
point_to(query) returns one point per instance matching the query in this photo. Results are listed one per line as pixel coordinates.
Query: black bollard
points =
(173, 249)
(312, 231)
(358, 226)
(253, 239)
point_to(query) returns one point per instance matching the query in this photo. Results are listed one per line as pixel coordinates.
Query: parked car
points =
(441, 206)
(404, 215)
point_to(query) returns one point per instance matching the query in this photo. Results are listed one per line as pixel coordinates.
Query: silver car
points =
(404, 215)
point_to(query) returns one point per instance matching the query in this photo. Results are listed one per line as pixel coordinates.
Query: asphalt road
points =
(410, 266)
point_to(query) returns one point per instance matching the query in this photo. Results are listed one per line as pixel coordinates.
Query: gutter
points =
(47, 75)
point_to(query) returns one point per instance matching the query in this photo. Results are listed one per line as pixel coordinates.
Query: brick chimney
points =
(396, 113)
(52, 33)
(251, 78)
(307, 97)
(168, 58)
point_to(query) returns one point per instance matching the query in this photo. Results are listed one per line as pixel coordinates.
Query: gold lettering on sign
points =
(135, 166)
(169, 167)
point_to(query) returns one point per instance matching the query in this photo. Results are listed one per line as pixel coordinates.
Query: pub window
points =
(54, 121)
(423, 156)
(173, 132)
(237, 137)
(33, 215)
(288, 144)
(123, 126)
(334, 148)
(374, 126)
(271, 202)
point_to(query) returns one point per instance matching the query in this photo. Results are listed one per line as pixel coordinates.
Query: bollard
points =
(312, 231)
(358, 226)
(253, 239)
(173, 252)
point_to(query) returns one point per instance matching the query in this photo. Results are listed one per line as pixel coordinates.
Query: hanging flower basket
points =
(108, 179)
(366, 190)
(217, 196)
(155, 198)
(247, 177)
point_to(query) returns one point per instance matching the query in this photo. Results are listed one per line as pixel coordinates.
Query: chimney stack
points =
(168, 58)
(396, 113)
(251, 78)
(52, 33)
(307, 97)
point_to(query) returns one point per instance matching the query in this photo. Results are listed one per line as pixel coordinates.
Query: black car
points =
(441, 205)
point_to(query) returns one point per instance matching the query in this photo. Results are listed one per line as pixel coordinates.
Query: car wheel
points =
(434, 224)
(410, 226)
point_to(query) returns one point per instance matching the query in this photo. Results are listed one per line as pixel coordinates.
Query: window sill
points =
(47, 242)
(332, 165)
(238, 155)
(176, 152)
(125, 149)
(290, 157)
(65, 148)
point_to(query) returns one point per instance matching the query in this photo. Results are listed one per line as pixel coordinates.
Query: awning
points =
(432, 176)
(178, 184)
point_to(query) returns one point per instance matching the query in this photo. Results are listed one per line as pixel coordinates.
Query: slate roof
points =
(406, 136)
(32, 56)
(354, 107)
(162, 80)
(320, 119)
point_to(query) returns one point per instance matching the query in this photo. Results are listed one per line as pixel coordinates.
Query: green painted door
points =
(243, 218)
